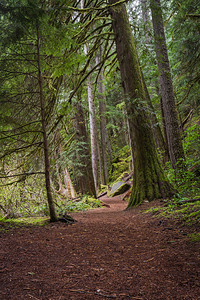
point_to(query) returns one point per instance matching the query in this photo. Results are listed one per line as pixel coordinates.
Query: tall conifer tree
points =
(149, 180)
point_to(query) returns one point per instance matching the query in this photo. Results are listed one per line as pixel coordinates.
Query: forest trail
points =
(108, 254)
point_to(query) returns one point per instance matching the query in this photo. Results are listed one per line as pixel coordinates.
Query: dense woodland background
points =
(91, 90)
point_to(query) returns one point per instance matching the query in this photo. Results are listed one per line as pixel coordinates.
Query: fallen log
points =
(102, 194)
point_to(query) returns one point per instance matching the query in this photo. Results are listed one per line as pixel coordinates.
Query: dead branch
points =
(189, 201)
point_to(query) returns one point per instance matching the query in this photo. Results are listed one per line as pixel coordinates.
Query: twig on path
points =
(33, 297)
(104, 295)
(93, 293)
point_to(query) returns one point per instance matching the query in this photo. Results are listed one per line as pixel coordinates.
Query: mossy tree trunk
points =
(157, 133)
(85, 179)
(102, 121)
(173, 133)
(149, 179)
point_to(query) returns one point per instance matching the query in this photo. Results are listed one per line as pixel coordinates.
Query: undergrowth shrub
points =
(84, 203)
(187, 179)
(187, 213)
(185, 206)
(28, 199)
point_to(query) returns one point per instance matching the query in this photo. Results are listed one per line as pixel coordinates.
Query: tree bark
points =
(68, 183)
(93, 128)
(53, 217)
(158, 136)
(62, 191)
(102, 113)
(157, 132)
(149, 179)
(85, 181)
(145, 17)
(168, 102)
(93, 134)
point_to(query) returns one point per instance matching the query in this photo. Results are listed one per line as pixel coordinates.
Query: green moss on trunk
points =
(149, 179)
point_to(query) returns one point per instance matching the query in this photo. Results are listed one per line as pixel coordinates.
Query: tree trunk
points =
(53, 217)
(68, 183)
(102, 113)
(169, 108)
(85, 180)
(157, 132)
(145, 17)
(149, 179)
(93, 134)
(100, 164)
(158, 136)
(61, 190)
(92, 118)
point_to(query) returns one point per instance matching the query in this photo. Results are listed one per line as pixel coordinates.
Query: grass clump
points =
(187, 213)
(6, 224)
(194, 237)
(185, 207)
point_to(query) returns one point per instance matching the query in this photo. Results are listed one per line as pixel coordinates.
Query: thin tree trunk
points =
(100, 164)
(157, 132)
(93, 129)
(102, 112)
(53, 217)
(159, 139)
(93, 134)
(63, 191)
(169, 108)
(149, 179)
(108, 146)
(145, 17)
(68, 183)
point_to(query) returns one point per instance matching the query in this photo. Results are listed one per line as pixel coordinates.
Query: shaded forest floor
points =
(108, 254)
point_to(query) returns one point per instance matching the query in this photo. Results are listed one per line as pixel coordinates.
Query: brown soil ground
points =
(108, 254)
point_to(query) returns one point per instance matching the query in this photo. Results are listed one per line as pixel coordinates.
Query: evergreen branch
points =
(83, 79)
(186, 95)
(84, 10)
(188, 117)
(17, 59)
(102, 63)
(193, 15)
(86, 27)
(99, 28)
(112, 64)
(20, 94)
(94, 49)
(9, 152)
(100, 35)
(4, 131)
(10, 183)
(92, 9)
(20, 73)
(22, 174)
(21, 133)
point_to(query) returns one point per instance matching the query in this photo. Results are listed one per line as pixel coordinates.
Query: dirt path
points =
(108, 254)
